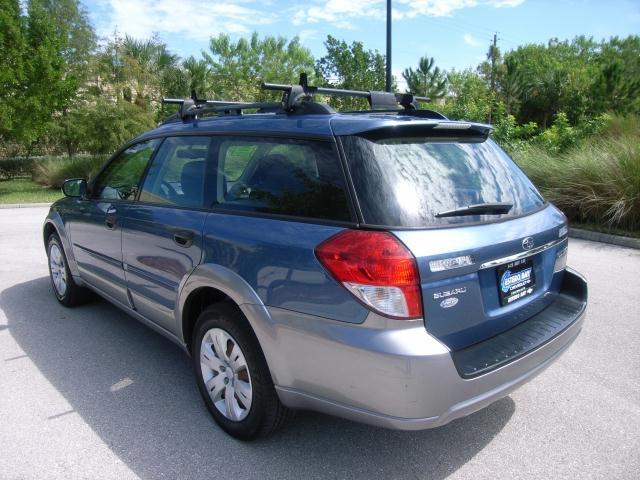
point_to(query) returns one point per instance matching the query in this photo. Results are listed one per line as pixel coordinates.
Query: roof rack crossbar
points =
(293, 94)
(294, 98)
(194, 106)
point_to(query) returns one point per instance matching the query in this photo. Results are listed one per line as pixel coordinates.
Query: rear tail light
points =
(377, 268)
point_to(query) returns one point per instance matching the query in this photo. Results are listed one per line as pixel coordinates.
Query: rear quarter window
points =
(300, 178)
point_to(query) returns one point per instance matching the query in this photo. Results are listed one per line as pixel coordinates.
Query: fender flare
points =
(240, 292)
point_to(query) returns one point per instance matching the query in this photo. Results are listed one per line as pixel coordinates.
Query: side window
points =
(176, 176)
(282, 176)
(120, 180)
(236, 158)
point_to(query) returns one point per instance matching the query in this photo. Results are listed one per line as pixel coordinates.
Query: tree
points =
(511, 85)
(236, 69)
(351, 67)
(44, 90)
(426, 80)
(558, 76)
(617, 84)
(470, 96)
(12, 72)
(197, 76)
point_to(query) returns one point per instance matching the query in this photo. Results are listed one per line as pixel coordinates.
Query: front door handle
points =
(111, 218)
(184, 238)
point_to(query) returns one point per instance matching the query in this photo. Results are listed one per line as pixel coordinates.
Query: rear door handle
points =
(111, 218)
(184, 238)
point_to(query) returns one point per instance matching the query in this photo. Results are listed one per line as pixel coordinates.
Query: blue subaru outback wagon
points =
(388, 266)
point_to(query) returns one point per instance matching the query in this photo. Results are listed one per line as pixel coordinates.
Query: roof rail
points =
(294, 94)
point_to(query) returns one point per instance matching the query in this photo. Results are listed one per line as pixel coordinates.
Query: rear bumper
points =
(404, 378)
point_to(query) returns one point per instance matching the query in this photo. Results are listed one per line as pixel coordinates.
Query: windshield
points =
(407, 182)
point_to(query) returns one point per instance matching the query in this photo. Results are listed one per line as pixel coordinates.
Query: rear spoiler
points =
(437, 129)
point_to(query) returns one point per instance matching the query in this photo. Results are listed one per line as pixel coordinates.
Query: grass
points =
(53, 171)
(597, 182)
(25, 190)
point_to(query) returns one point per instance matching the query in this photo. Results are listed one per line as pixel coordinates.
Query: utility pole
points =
(388, 82)
(493, 51)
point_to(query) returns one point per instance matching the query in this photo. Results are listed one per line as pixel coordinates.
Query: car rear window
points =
(407, 181)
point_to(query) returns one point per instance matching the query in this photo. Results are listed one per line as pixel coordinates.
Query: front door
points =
(162, 233)
(96, 226)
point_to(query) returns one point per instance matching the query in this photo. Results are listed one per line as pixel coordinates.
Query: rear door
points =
(483, 269)
(96, 224)
(162, 233)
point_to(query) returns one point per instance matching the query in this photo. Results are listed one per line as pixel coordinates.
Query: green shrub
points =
(53, 171)
(597, 181)
(15, 167)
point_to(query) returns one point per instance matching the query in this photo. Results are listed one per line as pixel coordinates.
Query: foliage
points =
(617, 85)
(426, 80)
(15, 167)
(12, 75)
(43, 89)
(236, 69)
(596, 181)
(511, 135)
(470, 97)
(351, 67)
(53, 171)
(44, 55)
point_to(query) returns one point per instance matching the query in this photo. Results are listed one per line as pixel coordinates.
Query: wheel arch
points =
(209, 284)
(54, 224)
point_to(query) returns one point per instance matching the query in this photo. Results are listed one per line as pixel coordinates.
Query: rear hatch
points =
(489, 249)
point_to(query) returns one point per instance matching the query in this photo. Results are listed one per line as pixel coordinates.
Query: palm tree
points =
(198, 75)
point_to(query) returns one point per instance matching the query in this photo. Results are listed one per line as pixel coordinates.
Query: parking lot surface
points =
(91, 393)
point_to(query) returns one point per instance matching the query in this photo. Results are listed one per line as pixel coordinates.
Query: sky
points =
(457, 33)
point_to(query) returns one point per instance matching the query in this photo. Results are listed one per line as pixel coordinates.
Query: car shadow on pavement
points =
(136, 390)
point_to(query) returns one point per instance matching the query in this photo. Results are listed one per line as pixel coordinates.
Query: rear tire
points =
(232, 374)
(64, 287)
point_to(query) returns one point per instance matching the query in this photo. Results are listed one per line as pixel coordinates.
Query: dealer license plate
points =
(515, 280)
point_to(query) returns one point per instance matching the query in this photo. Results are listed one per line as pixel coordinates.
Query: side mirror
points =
(75, 187)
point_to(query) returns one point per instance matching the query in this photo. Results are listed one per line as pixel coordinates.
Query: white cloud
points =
(196, 19)
(307, 34)
(200, 19)
(471, 40)
(507, 3)
(340, 13)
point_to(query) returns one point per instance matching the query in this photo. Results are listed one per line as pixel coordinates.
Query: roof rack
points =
(297, 98)
(194, 106)
(294, 94)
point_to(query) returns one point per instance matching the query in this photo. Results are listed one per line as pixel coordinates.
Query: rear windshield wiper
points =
(495, 208)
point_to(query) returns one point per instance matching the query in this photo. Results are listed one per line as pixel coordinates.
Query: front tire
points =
(65, 289)
(232, 374)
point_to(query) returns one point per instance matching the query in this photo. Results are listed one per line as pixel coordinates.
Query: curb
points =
(604, 238)
(24, 205)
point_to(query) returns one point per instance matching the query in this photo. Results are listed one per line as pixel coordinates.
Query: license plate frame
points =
(516, 280)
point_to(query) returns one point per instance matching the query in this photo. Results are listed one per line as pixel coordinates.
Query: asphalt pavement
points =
(91, 393)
